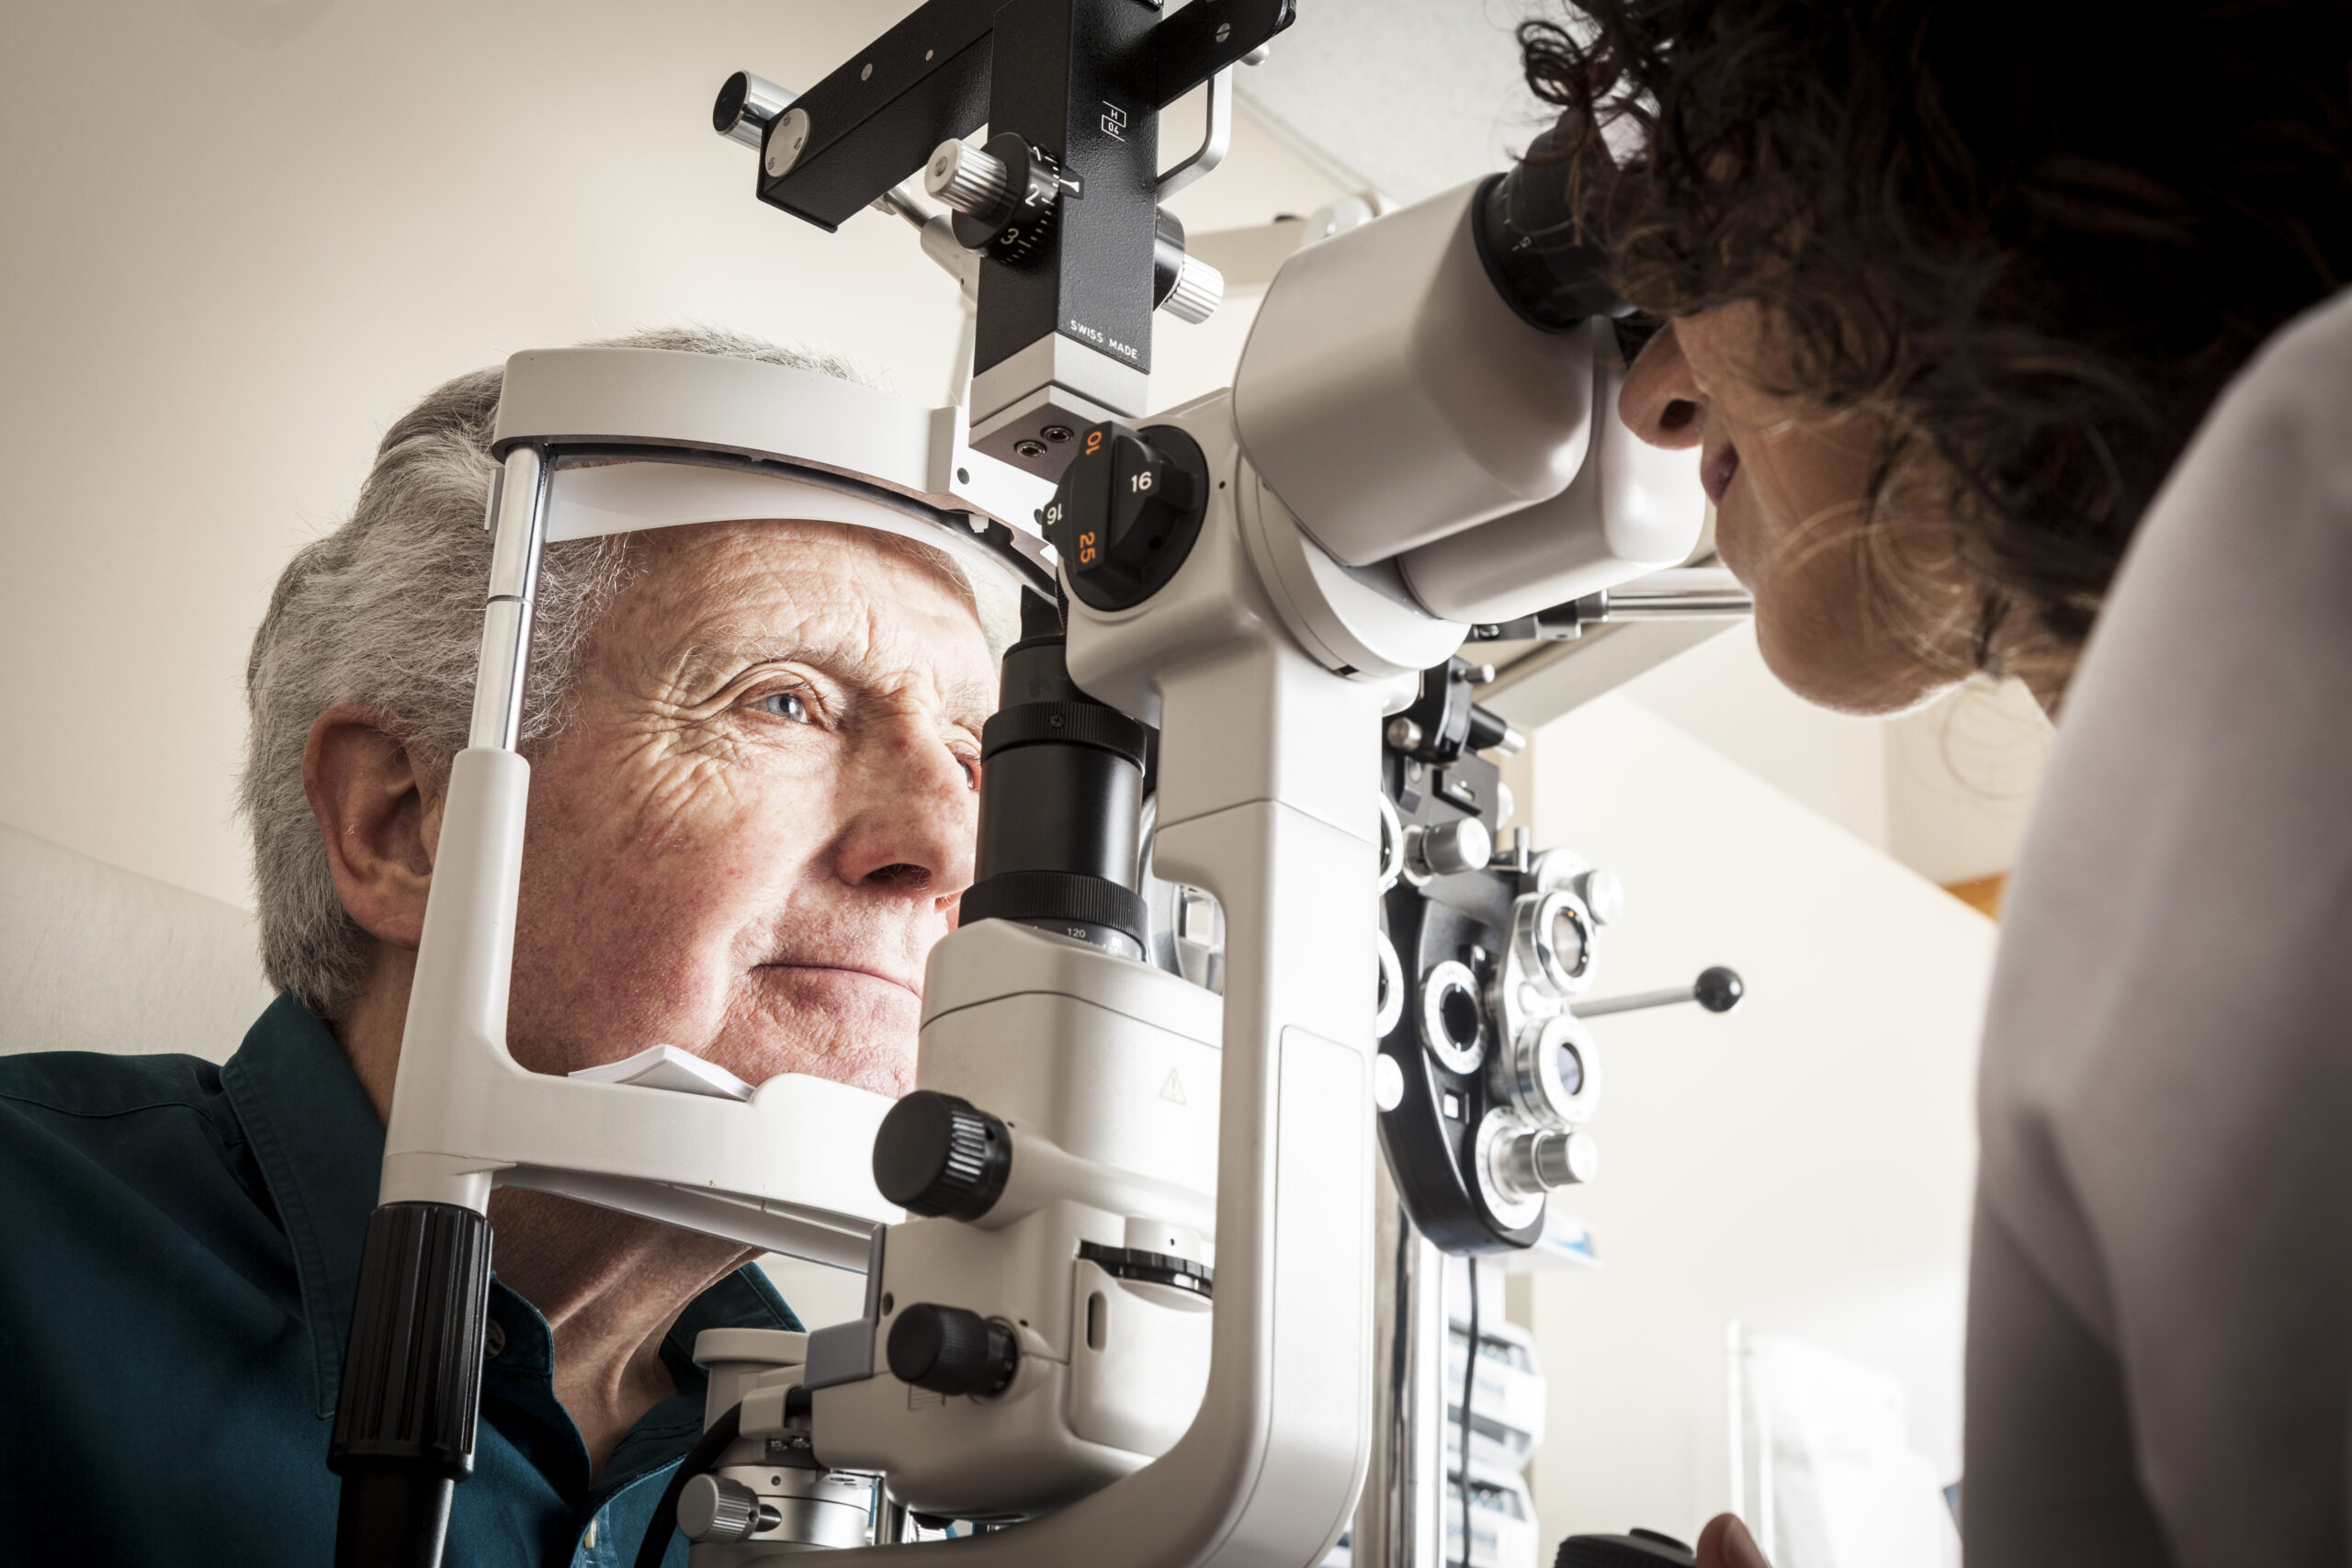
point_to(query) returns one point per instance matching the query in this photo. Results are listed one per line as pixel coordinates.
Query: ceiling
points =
(1407, 97)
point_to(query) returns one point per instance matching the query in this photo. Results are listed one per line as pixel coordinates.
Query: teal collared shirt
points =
(179, 1246)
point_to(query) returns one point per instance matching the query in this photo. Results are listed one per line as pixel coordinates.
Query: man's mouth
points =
(858, 971)
(1715, 472)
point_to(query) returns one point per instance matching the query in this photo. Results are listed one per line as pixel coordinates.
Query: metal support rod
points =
(1400, 1522)
(1685, 593)
(517, 523)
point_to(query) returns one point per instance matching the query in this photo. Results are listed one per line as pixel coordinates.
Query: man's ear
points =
(377, 818)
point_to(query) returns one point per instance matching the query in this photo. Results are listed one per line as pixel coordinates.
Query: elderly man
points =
(754, 747)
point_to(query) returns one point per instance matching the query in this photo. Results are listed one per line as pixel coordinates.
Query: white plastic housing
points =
(1104, 1069)
(1390, 397)
(1633, 509)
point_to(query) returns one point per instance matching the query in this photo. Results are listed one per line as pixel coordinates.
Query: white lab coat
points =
(2160, 1321)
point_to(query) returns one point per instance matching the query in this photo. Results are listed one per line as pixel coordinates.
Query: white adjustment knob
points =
(1603, 896)
(1565, 1159)
(1199, 290)
(1532, 1164)
(969, 179)
(1449, 848)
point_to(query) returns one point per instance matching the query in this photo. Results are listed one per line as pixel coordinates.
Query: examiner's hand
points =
(1726, 1543)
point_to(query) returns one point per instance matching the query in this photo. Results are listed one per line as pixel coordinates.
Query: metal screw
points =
(787, 141)
(1029, 448)
(1058, 433)
(1403, 733)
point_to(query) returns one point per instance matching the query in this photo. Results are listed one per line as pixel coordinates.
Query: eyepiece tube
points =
(1545, 257)
(1061, 799)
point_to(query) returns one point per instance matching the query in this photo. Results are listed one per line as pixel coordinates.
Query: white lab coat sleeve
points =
(2160, 1332)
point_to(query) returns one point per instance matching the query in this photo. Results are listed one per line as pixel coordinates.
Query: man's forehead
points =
(758, 590)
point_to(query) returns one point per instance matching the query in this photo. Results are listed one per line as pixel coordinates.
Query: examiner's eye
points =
(787, 705)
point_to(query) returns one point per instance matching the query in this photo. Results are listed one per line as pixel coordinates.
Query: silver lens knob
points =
(1448, 849)
(1603, 896)
(1199, 290)
(969, 179)
(1532, 1164)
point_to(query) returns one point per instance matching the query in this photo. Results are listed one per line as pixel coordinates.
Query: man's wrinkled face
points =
(759, 815)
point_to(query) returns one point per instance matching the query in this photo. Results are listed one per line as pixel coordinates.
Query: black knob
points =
(1719, 989)
(1640, 1549)
(1127, 511)
(937, 1154)
(950, 1351)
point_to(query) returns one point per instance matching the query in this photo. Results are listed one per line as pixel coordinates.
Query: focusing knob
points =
(1128, 509)
(936, 1155)
(714, 1508)
(950, 1351)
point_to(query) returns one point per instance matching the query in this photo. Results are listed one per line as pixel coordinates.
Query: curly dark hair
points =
(2041, 237)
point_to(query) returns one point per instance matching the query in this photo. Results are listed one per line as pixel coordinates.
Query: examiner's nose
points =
(911, 816)
(1660, 401)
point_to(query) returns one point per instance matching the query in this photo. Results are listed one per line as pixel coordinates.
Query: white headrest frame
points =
(742, 420)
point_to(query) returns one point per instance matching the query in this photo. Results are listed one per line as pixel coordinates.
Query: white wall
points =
(1802, 1165)
(243, 236)
(1946, 790)
(1721, 693)
(1961, 778)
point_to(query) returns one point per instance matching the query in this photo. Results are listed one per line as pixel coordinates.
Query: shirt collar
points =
(314, 1133)
(320, 1149)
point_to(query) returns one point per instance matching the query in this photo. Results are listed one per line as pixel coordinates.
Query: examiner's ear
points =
(378, 822)
(1661, 401)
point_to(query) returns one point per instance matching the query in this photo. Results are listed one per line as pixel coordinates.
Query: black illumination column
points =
(1079, 85)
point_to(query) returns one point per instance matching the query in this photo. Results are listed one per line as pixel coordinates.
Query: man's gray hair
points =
(386, 612)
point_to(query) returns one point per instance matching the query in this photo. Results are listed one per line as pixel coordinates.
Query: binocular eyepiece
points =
(1540, 232)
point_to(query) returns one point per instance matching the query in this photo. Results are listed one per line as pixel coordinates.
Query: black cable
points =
(1469, 1386)
(714, 1441)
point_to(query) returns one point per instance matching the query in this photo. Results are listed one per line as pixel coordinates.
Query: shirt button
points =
(589, 1540)
(494, 1342)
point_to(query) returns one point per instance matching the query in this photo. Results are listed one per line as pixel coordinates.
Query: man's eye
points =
(787, 705)
(971, 770)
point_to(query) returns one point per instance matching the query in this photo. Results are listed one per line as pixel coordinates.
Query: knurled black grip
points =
(1034, 896)
(1065, 724)
(412, 1374)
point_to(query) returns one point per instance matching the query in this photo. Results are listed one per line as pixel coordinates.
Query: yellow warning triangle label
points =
(1173, 1089)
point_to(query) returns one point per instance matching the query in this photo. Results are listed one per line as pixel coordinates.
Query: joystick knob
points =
(950, 1351)
(1637, 1549)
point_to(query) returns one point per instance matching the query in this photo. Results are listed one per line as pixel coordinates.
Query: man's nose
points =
(1661, 401)
(911, 814)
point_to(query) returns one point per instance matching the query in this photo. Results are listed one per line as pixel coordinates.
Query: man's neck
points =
(610, 1285)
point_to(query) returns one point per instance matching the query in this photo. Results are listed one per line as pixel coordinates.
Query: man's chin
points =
(852, 1028)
